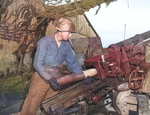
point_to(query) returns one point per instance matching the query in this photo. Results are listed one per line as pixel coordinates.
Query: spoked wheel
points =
(136, 79)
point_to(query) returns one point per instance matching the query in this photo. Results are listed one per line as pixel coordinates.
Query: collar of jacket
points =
(53, 38)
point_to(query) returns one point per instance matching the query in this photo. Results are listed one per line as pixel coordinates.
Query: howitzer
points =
(124, 65)
(80, 92)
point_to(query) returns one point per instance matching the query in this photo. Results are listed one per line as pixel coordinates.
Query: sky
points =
(120, 20)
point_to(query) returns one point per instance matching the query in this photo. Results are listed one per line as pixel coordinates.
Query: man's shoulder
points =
(44, 39)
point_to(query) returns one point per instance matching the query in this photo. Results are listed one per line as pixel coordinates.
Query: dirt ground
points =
(11, 103)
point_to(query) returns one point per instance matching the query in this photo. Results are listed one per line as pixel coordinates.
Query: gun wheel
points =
(136, 79)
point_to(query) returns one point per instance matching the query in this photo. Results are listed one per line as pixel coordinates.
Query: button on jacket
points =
(49, 55)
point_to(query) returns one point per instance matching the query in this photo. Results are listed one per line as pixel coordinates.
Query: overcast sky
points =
(110, 21)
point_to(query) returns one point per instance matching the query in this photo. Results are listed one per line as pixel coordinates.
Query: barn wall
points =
(7, 59)
(19, 27)
(15, 32)
(83, 26)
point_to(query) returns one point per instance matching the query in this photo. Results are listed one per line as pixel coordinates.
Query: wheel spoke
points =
(135, 74)
(136, 84)
(136, 79)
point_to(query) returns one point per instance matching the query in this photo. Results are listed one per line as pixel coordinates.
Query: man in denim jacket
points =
(51, 53)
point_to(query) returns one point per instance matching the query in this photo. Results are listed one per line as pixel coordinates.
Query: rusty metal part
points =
(80, 91)
(95, 99)
(123, 87)
(124, 101)
(136, 79)
(71, 110)
(74, 77)
(125, 65)
(58, 110)
(107, 66)
(143, 103)
(95, 61)
(67, 79)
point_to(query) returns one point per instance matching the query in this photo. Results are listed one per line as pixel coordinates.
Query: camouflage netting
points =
(68, 10)
(3, 5)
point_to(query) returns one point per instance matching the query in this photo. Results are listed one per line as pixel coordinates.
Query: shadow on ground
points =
(11, 102)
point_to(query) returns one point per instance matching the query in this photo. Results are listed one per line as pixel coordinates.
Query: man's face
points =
(65, 35)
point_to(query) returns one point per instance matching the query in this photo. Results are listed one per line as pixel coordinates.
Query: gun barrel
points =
(136, 39)
(76, 76)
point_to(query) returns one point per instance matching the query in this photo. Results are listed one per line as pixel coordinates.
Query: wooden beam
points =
(134, 40)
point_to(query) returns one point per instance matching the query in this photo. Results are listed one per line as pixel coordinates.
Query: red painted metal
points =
(119, 61)
(108, 64)
(95, 99)
(136, 79)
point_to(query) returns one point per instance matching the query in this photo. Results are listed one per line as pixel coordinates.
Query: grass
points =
(14, 83)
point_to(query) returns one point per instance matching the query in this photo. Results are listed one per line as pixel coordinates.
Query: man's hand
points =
(54, 84)
(87, 80)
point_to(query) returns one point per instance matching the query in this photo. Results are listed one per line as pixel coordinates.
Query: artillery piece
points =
(127, 61)
(120, 75)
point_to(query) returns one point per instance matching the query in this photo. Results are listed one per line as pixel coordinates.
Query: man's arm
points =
(71, 61)
(39, 61)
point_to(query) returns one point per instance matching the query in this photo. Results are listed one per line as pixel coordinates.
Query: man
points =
(51, 53)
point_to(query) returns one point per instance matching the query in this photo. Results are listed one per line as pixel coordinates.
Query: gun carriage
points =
(120, 76)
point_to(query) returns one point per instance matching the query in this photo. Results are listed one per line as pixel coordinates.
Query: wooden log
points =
(136, 39)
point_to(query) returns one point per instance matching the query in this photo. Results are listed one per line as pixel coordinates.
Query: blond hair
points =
(65, 24)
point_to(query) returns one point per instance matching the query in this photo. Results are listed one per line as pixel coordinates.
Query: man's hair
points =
(65, 24)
